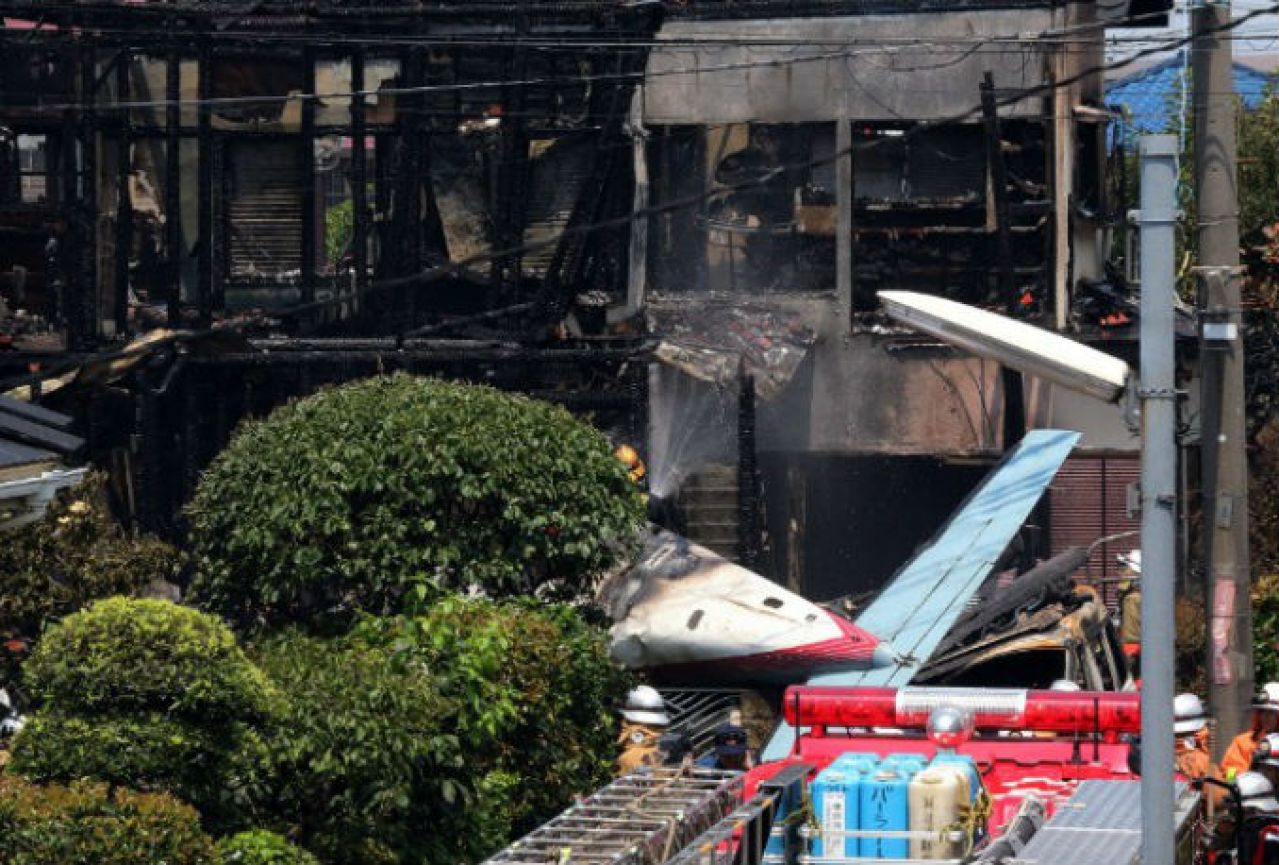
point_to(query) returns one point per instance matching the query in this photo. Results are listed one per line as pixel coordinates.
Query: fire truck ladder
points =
(748, 835)
(643, 818)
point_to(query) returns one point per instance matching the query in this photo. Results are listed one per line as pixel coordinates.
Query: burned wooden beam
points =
(173, 182)
(204, 276)
(359, 177)
(124, 198)
(306, 158)
(82, 333)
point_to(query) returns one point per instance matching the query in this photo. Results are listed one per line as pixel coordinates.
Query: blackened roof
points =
(29, 433)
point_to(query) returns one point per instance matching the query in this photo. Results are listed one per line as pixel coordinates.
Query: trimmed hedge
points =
(126, 654)
(148, 752)
(259, 847)
(346, 499)
(87, 823)
(363, 767)
(148, 695)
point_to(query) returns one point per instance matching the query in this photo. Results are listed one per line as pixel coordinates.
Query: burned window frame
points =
(765, 222)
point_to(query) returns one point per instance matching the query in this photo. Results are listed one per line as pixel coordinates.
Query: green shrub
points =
(76, 554)
(363, 766)
(1265, 627)
(126, 655)
(258, 847)
(345, 499)
(148, 752)
(534, 690)
(149, 695)
(88, 823)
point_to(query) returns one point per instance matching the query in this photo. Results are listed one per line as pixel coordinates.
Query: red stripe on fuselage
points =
(852, 650)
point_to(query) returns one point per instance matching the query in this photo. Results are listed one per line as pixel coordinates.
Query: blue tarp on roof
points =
(1150, 98)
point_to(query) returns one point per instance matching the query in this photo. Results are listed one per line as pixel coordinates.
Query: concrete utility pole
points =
(1158, 494)
(1225, 470)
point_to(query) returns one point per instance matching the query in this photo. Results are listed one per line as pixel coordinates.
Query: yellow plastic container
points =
(936, 796)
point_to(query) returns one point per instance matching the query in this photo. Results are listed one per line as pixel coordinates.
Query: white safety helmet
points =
(1267, 698)
(1064, 685)
(1131, 560)
(1256, 792)
(1188, 714)
(644, 706)
(1267, 752)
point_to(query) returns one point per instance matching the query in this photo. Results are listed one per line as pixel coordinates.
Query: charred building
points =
(836, 150)
(209, 207)
(673, 217)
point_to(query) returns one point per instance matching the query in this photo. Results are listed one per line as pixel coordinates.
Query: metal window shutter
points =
(1088, 501)
(264, 209)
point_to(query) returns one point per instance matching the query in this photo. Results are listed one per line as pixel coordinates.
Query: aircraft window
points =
(695, 619)
(774, 603)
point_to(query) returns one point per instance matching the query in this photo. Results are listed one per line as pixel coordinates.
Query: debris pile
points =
(711, 343)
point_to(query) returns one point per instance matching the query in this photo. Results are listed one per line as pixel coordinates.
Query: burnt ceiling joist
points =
(336, 19)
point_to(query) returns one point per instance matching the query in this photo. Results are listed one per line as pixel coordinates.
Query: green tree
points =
(534, 691)
(258, 847)
(344, 500)
(51, 824)
(362, 765)
(148, 695)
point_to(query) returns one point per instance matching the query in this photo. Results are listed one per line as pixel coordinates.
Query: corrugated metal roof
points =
(30, 435)
(1149, 98)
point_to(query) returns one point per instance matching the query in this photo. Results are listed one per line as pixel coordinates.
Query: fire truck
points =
(890, 775)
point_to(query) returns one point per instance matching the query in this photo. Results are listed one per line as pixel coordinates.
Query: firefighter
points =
(1265, 719)
(1266, 758)
(1256, 796)
(1190, 722)
(1260, 841)
(644, 723)
(630, 458)
(730, 747)
(1130, 603)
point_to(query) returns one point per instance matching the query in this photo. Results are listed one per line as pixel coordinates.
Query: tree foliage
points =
(479, 719)
(148, 695)
(258, 847)
(533, 689)
(53, 824)
(76, 554)
(362, 766)
(126, 654)
(345, 499)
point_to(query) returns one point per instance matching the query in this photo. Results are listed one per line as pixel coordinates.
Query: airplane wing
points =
(926, 596)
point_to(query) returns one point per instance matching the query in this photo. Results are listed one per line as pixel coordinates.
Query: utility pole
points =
(1158, 493)
(1225, 470)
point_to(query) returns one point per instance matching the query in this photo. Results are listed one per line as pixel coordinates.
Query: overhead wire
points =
(452, 268)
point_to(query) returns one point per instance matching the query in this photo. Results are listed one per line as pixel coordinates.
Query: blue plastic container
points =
(836, 794)
(908, 763)
(862, 762)
(885, 802)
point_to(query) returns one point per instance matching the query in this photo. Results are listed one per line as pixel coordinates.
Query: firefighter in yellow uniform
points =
(644, 722)
(1130, 604)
